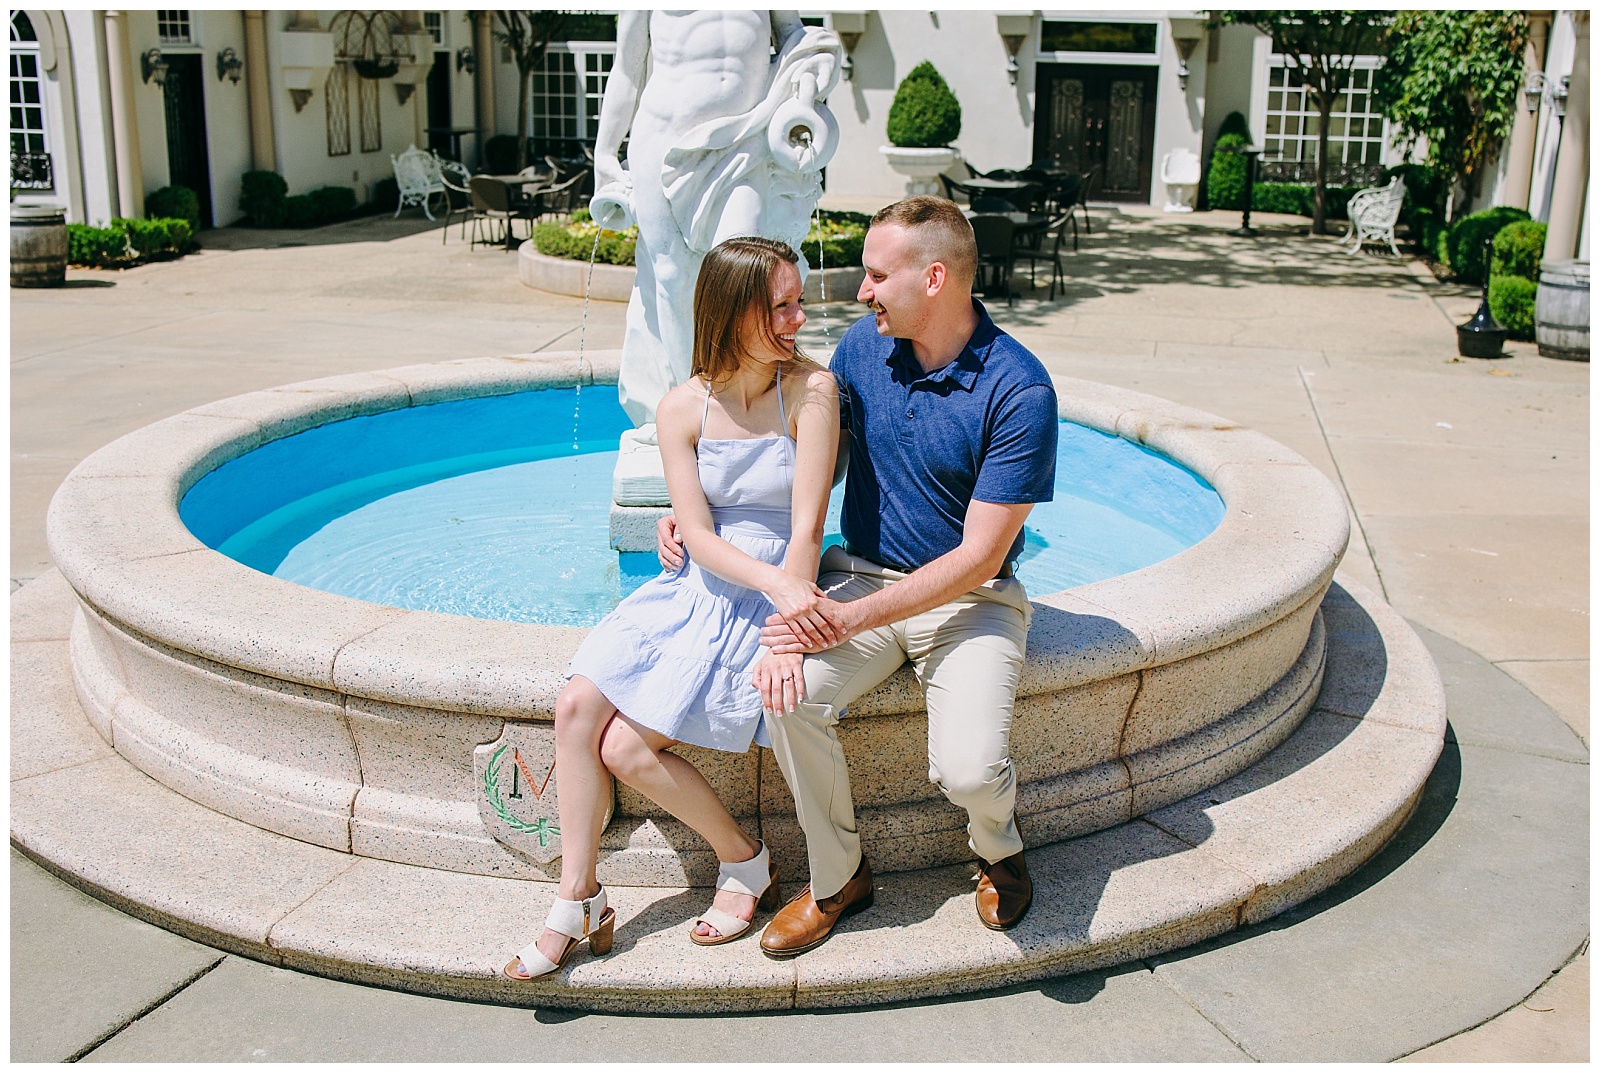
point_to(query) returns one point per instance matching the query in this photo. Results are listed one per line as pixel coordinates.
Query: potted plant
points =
(923, 120)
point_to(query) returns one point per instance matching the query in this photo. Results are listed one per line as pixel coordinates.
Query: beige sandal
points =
(590, 919)
(757, 877)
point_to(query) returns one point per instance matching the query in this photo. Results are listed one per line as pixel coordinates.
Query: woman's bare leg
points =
(583, 787)
(638, 756)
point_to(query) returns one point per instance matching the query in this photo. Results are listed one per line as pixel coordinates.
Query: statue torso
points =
(703, 64)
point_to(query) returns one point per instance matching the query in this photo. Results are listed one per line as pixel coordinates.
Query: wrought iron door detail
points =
(336, 92)
(1123, 135)
(1066, 114)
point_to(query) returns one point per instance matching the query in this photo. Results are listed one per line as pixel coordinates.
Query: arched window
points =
(30, 150)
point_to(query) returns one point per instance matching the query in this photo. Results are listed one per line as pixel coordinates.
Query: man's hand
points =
(669, 545)
(781, 639)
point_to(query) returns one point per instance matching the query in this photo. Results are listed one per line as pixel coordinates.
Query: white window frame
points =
(1337, 144)
(190, 38)
(1109, 59)
(588, 99)
(44, 133)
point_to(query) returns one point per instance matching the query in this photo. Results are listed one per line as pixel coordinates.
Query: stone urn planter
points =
(921, 167)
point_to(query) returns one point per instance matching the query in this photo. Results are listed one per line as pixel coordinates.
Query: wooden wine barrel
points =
(1561, 310)
(38, 246)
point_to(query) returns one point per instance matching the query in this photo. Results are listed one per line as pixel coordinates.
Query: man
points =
(952, 439)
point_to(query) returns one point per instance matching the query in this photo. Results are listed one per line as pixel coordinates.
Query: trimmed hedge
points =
(1518, 249)
(385, 194)
(575, 238)
(842, 235)
(174, 201)
(1225, 180)
(1300, 199)
(261, 196)
(1466, 238)
(924, 114)
(128, 242)
(1511, 301)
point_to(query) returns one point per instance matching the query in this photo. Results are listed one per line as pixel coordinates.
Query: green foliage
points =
(575, 238)
(1426, 188)
(924, 114)
(500, 154)
(96, 247)
(128, 242)
(1518, 249)
(1452, 78)
(262, 194)
(1467, 236)
(1235, 123)
(1429, 233)
(841, 236)
(334, 202)
(1300, 199)
(178, 201)
(1225, 180)
(301, 211)
(1511, 300)
(385, 193)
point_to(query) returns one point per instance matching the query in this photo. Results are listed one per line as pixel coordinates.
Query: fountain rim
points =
(114, 531)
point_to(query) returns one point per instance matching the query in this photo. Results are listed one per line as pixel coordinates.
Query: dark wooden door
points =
(187, 160)
(1098, 116)
(439, 105)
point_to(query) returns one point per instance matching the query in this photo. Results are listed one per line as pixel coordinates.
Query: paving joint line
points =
(116, 1030)
(1168, 984)
(1316, 412)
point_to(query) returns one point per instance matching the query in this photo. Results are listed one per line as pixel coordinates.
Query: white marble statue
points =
(726, 137)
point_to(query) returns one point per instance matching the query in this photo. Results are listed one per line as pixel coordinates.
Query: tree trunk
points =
(1319, 215)
(524, 89)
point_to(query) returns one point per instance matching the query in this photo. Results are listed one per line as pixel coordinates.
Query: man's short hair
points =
(941, 233)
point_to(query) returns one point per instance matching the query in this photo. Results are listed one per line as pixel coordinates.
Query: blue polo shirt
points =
(923, 446)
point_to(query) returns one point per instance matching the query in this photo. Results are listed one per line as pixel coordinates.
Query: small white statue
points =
(726, 137)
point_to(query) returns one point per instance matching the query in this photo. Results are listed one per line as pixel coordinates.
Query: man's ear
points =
(938, 276)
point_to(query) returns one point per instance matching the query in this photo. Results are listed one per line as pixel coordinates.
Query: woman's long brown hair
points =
(735, 286)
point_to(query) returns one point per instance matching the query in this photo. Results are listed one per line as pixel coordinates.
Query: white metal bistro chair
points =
(417, 174)
(1373, 213)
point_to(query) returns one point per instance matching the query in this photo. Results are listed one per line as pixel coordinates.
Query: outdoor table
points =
(1004, 188)
(517, 181)
(1027, 225)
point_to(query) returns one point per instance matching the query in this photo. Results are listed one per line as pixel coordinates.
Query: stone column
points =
(483, 48)
(124, 117)
(1525, 129)
(1572, 159)
(263, 152)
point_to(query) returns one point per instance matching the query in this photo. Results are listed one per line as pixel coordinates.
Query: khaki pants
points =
(968, 656)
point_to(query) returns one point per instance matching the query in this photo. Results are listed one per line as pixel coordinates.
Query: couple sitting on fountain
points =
(951, 438)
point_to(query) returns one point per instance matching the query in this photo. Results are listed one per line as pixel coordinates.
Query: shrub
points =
(301, 210)
(262, 196)
(385, 193)
(1466, 238)
(500, 154)
(334, 202)
(96, 247)
(1518, 249)
(840, 235)
(1299, 199)
(1428, 232)
(925, 114)
(1426, 190)
(575, 238)
(1511, 301)
(1235, 123)
(1225, 179)
(156, 237)
(174, 201)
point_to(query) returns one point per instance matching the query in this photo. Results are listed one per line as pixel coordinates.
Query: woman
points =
(747, 445)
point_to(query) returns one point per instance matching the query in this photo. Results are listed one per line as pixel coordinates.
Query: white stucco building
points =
(117, 103)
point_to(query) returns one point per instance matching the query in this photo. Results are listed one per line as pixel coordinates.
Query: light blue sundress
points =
(677, 654)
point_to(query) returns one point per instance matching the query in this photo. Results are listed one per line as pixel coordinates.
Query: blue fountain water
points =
(497, 508)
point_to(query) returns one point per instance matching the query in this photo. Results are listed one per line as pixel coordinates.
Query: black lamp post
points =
(1482, 337)
(1252, 153)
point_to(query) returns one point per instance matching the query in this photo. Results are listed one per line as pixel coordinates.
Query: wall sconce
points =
(1558, 98)
(466, 60)
(403, 91)
(1533, 91)
(1014, 31)
(1185, 37)
(849, 26)
(300, 97)
(151, 65)
(229, 65)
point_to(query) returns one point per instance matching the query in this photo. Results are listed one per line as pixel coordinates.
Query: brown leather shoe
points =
(1005, 890)
(806, 922)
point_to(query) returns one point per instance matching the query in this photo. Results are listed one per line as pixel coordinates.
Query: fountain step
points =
(1301, 819)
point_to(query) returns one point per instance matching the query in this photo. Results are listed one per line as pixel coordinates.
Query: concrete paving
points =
(1467, 482)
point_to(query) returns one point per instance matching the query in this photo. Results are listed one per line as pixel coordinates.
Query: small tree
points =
(1322, 46)
(924, 113)
(528, 35)
(1452, 78)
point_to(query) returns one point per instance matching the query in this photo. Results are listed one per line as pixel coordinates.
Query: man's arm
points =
(987, 535)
